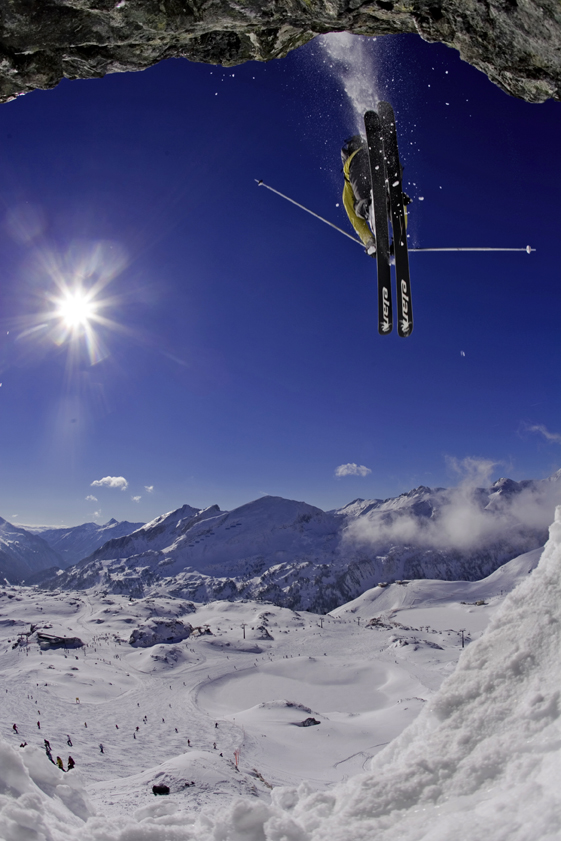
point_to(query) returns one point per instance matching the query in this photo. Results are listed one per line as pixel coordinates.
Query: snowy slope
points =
(478, 755)
(298, 556)
(77, 542)
(22, 554)
(400, 600)
(483, 760)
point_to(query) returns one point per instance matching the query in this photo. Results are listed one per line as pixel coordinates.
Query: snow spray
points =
(351, 60)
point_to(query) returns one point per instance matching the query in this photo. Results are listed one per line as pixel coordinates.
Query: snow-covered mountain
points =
(298, 556)
(23, 554)
(77, 542)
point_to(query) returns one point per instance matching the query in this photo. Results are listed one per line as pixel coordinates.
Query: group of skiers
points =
(70, 762)
(48, 750)
(58, 762)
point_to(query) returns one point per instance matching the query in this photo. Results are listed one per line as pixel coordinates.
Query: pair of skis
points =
(385, 176)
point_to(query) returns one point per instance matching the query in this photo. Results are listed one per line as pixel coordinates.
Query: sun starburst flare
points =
(74, 311)
(75, 318)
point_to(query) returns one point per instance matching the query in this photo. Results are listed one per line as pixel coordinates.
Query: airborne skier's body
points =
(374, 199)
(357, 189)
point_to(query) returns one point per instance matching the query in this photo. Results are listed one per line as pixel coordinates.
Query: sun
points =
(76, 309)
(73, 306)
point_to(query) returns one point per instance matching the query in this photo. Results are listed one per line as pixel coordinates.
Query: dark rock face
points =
(515, 42)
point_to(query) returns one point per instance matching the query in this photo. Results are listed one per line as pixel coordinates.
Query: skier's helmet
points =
(352, 144)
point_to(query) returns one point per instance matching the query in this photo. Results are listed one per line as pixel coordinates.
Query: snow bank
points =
(39, 802)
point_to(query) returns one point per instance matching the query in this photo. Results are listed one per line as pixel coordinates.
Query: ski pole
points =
(528, 249)
(301, 206)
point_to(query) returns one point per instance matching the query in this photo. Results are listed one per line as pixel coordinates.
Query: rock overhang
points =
(515, 42)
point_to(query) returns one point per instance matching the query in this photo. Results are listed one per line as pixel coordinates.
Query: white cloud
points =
(96, 514)
(352, 470)
(111, 482)
(464, 519)
(149, 488)
(136, 498)
(474, 472)
(552, 437)
(91, 498)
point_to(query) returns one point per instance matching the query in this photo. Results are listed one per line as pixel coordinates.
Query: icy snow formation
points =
(482, 760)
(37, 800)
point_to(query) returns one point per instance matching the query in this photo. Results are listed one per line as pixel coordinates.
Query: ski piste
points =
(379, 211)
(394, 175)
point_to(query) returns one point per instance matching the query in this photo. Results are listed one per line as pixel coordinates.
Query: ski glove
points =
(371, 248)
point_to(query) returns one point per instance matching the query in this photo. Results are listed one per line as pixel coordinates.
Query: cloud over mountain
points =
(465, 517)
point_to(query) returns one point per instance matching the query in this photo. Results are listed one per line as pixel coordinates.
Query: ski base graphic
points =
(386, 181)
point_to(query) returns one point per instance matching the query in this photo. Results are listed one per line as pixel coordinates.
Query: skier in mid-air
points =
(357, 189)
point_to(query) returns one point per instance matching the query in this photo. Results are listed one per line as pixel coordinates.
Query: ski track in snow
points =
(364, 684)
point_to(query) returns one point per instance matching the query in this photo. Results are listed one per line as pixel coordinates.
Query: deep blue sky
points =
(247, 359)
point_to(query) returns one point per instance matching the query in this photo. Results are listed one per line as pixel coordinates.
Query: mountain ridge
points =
(297, 555)
(23, 554)
(73, 543)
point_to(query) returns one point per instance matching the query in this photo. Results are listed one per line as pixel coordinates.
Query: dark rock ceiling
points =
(517, 43)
